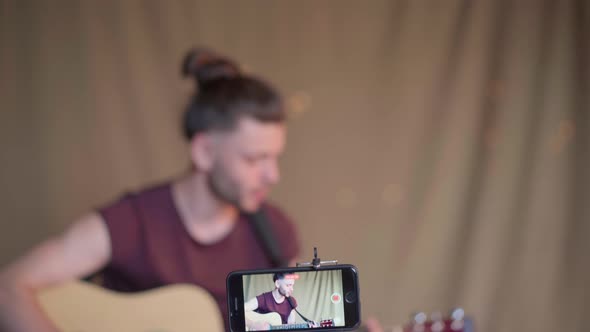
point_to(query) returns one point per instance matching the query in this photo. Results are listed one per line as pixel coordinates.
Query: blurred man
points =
(172, 232)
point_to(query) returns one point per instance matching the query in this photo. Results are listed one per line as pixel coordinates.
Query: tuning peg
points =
(418, 319)
(457, 315)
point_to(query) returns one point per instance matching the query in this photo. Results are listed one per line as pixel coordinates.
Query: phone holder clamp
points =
(316, 262)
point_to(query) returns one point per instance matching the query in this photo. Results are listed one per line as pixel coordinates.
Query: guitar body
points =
(85, 307)
(273, 319)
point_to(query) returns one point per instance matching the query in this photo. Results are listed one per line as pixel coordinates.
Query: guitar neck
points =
(289, 326)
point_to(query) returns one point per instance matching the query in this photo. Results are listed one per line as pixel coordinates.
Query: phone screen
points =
(294, 299)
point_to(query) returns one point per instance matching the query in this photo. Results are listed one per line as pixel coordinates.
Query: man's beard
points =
(223, 188)
(282, 292)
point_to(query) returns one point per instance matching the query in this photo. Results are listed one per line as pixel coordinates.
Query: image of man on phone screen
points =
(278, 301)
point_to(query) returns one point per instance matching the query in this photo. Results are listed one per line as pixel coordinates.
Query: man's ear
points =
(202, 151)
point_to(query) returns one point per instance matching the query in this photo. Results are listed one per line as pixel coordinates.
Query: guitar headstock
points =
(454, 322)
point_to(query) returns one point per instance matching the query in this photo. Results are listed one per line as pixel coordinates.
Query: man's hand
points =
(313, 324)
(258, 326)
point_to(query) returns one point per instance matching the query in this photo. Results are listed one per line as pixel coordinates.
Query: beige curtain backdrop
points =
(440, 146)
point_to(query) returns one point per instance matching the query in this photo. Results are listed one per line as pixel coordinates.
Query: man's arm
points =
(291, 318)
(251, 305)
(81, 250)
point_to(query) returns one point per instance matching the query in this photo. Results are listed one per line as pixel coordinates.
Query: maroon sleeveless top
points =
(151, 247)
(267, 303)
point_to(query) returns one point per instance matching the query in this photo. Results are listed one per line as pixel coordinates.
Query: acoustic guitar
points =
(85, 307)
(274, 321)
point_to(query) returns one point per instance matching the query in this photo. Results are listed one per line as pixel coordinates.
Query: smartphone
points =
(298, 298)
